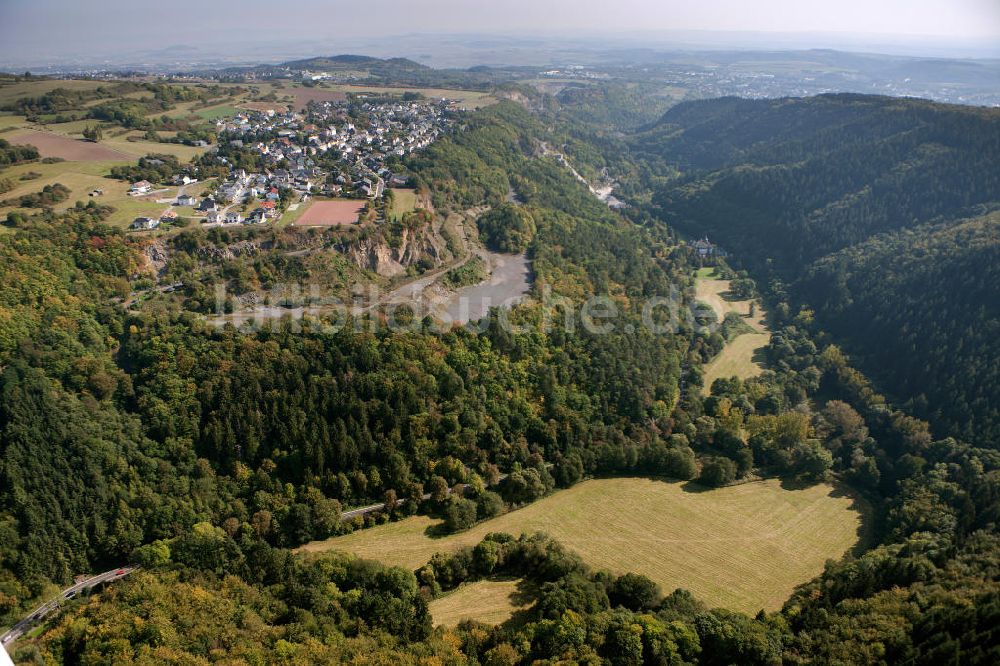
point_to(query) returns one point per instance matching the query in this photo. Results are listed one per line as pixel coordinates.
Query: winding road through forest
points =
(53, 604)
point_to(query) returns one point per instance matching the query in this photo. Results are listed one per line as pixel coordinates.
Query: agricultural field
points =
(11, 91)
(299, 96)
(85, 167)
(10, 122)
(472, 99)
(50, 144)
(73, 129)
(302, 95)
(741, 356)
(115, 138)
(129, 144)
(198, 110)
(486, 601)
(743, 547)
(216, 112)
(277, 107)
(137, 147)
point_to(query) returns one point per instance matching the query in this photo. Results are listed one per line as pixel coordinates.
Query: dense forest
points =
(873, 212)
(204, 454)
(794, 179)
(934, 292)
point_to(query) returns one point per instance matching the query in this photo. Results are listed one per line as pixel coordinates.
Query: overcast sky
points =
(89, 27)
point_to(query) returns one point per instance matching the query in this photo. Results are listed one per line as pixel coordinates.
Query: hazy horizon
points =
(46, 32)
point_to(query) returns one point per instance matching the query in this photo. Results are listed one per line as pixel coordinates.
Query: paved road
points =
(51, 605)
(375, 508)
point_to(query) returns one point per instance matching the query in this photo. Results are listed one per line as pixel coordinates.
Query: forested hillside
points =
(872, 211)
(933, 294)
(123, 427)
(795, 179)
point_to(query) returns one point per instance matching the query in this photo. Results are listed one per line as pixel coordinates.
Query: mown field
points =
(298, 96)
(216, 112)
(487, 601)
(52, 144)
(131, 143)
(403, 201)
(740, 357)
(10, 122)
(743, 547)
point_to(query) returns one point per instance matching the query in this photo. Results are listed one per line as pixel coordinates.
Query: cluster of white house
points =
(353, 150)
(292, 145)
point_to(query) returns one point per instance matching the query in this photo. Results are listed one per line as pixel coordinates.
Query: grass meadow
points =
(741, 356)
(486, 601)
(743, 547)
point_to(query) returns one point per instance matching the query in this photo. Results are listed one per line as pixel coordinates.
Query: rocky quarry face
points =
(378, 255)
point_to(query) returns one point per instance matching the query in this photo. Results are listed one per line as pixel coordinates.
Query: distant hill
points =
(369, 70)
(877, 212)
(337, 63)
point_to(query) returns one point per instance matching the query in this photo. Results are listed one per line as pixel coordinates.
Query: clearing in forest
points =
(404, 200)
(486, 601)
(743, 547)
(741, 356)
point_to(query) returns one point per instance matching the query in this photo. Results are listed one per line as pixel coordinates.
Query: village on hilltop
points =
(331, 149)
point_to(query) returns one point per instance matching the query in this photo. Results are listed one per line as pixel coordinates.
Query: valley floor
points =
(741, 356)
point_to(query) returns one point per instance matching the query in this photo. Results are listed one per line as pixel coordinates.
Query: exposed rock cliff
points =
(389, 257)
